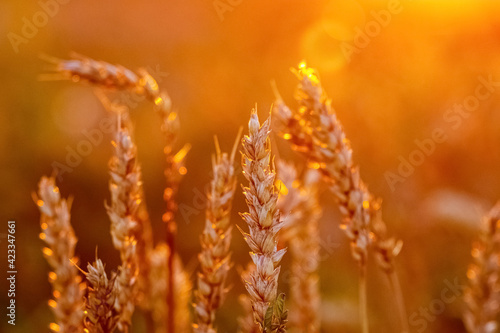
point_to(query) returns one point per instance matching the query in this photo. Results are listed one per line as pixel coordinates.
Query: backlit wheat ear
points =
(116, 77)
(482, 296)
(142, 83)
(263, 218)
(159, 286)
(123, 211)
(101, 315)
(215, 242)
(57, 232)
(300, 199)
(315, 131)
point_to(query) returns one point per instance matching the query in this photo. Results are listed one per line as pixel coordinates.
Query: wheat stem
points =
(363, 306)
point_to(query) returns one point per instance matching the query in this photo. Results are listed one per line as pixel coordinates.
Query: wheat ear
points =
(263, 218)
(58, 234)
(315, 131)
(215, 241)
(142, 83)
(159, 288)
(101, 315)
(123, 211)
(300, 199)
(116, 77)
(482, 296)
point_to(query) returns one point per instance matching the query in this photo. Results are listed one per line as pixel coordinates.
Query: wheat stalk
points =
(215, 241)
(315, 131)
(300, 199)
(482, 296)
(101, 315)
(263, 218)
(59, 236)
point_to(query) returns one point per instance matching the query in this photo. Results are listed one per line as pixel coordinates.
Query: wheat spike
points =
(215, 242)
(102, 74)
(58, 234)
(315, 131)
(159, 286)
(101, 315)
(300, 199)
(263, 218)
(123, 212)
(482, 296)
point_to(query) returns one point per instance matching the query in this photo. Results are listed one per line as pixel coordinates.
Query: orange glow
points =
(183, 170)
(52, 276)
(158, 100)
(39, 203)
(54, 327)
(52, 303)
(44, 226)
(42, 236)
(366, 204)
(182, 153)
(471, 274)
(48, 252)
(283, 190)
(172, 116)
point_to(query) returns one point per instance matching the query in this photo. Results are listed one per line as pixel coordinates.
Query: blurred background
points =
(397, 72)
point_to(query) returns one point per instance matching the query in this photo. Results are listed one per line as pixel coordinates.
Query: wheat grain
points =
(482, 296)
(246, 323)
(215, 242)
(315, 131)
(58, 233)
(263, 218)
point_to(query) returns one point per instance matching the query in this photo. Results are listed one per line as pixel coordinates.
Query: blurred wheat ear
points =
(215, 241)
(58, 234)
(482, 296)
(130, 225)
(314, 130)
(299, 198)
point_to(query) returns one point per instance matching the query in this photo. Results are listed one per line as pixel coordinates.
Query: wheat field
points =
(227, 166)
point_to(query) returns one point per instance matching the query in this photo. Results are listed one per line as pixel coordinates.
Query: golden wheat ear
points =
(67, 287)
(299, 200)
(215, 256)
(314, 130)
(483, 292)
(264, 222)
(101, 314)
